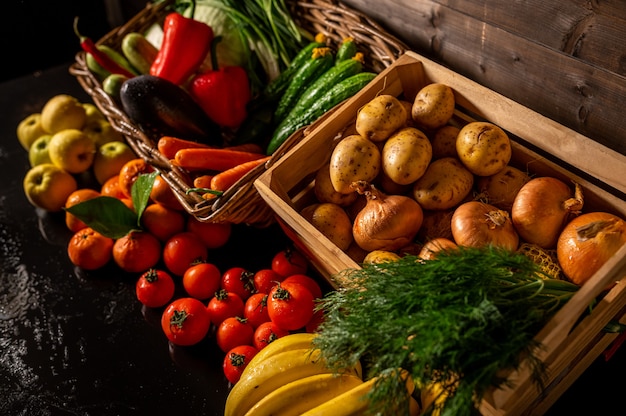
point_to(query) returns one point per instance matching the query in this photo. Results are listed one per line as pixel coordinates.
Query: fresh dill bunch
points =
(461, 320)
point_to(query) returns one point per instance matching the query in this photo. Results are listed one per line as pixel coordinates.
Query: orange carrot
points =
(224, 180)
(169, 145)
(213, 159)
(202, 181)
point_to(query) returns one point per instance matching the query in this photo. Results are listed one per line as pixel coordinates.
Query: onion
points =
(387, 222)
(587, 242)
(477, 224)
(542, 207)
(432, 247)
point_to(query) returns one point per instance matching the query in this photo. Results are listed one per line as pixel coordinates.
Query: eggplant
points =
(161, 108)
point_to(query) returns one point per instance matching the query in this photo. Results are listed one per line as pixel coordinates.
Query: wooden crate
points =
(540, 146)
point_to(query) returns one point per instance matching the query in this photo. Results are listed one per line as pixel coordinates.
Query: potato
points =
(355, 158)
(325, 192)
(380, 256)
(500, 189)
(444, 185)
(380, 117)
(433, 106)
(332, 221)
(444, 142)
(483, 147)
(406, 155)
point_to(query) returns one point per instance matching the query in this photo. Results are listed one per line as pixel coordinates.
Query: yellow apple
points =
(102, 132)
(92, 112)
(63, 112)
(47, 186)
(29, 130)
(72, 150)
(110, 157)
(38, 152)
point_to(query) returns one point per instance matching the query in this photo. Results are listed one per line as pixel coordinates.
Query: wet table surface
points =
(76, 343)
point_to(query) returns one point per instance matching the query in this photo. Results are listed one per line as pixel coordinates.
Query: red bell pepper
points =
(186, 42)
(223, 93)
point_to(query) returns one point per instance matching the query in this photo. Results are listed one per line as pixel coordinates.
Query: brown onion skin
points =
(540, 210)
(432, 247)
(387, 222)
(477, 224)
(581, 258)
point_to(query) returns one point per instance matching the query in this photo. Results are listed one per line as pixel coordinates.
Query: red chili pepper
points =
(223, 93)
(185, 45)
(102, 58)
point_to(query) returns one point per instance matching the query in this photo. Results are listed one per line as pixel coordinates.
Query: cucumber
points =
(320, 62)
(139, 51)
(338, 93)
(346, 50)
(326, 81)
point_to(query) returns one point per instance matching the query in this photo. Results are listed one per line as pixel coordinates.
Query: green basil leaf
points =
(140, 193)
(107, 215)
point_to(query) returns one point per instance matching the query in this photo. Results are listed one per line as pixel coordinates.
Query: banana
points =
(295, 341)
(270, 374)
(296, 397)
(351, 402)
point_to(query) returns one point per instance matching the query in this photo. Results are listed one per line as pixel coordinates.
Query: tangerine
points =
(80, 195)
(162, 221)
(137, 251)
(111, 187)
(130, 172)
(163, 194)
(90, 250)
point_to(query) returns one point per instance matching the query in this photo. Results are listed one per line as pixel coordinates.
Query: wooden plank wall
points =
(565, 59)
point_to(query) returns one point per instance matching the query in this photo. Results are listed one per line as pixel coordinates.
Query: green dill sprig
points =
(460, 320)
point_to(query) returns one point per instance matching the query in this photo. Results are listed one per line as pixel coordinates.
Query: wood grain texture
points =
(564, 59)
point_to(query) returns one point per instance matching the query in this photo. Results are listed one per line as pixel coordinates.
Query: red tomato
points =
(182, 250)
(213, 235)
(255, 309)
(265, 279)
(307, 282)
(224, 305)
(232, 332)
(236, 361)
(314, 323)
(185, 321)
(266, 333)
(289, 261)
(290, 305)
(155, 288)
(202, 280)
(240, 281)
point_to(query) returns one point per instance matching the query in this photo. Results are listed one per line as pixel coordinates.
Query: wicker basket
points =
(241, 203)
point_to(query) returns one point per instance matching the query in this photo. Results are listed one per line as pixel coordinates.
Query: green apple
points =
(47, 186)
(110, 157)
(29, 130)
(63, 112)
(92, 112)
(38, 152)
(72, 150)
(101, 131)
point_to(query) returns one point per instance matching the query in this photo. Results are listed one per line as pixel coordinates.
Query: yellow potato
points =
(332, 221)
(406, 155)
(433, 106)
(380, 256)
(355, 158)
(324, 191)
(380, 117)
(483, 147)
(444, 142)
(500, 189)
(444, 185)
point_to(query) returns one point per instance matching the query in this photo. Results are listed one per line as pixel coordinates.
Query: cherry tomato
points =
(314, 323)
(266, 333)
(233, 331)
(255, 309)
(185, 321)
(265, 279)
(154, 288)
(307, 282)
(202, 280)
(240, 281)
(224, 305)
(290, 305)
(236, 361)
(182, 250)
(289, 261)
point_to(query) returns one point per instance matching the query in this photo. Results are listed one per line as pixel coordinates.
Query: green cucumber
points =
(338, 93)
(139, 51)
(119, 58)
(320, 62)
(346, 50)
(112, 85)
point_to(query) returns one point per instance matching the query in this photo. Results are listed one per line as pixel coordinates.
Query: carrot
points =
(202, 181)
(169, 145)
(213, 159)
(225, 179)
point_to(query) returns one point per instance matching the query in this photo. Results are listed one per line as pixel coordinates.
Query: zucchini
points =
(320, 61)
(335, 95)
(346, 50)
